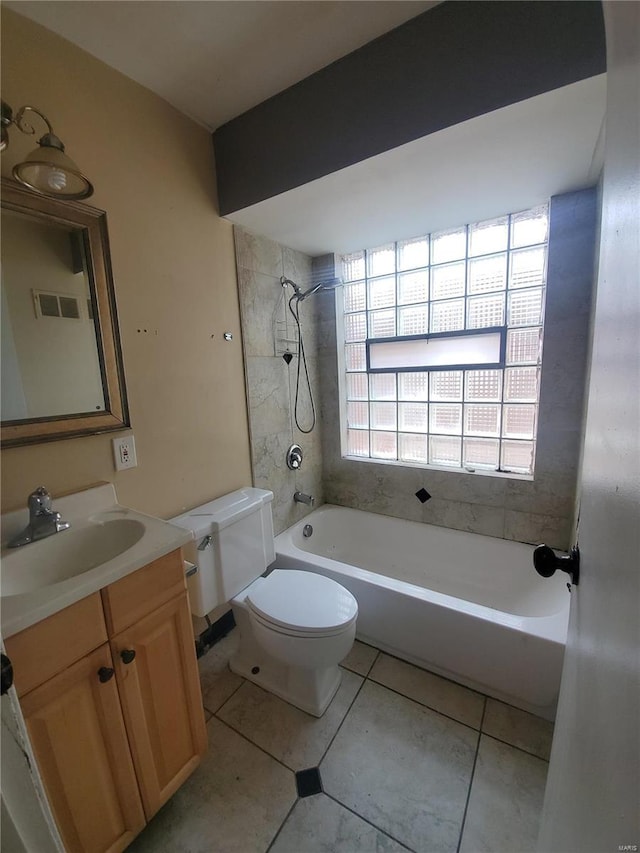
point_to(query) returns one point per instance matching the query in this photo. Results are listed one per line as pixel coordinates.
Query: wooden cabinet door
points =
(78, 736)
(161, 700)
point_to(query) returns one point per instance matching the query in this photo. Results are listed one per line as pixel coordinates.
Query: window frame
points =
(463, 333)
(506, 436)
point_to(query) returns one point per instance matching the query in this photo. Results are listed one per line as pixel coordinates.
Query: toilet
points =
(295, 626)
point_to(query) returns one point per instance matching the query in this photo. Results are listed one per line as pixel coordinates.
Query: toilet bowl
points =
(295, 626)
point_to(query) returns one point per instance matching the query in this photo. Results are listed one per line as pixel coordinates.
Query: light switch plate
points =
(124, 452)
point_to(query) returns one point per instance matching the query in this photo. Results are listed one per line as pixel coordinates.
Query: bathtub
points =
(468, 607)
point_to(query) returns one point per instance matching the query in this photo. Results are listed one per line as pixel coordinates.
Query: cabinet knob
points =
(127, 655)
(105, 673)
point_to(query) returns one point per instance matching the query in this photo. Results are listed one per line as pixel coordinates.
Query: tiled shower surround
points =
(271, 382)
(535, 511)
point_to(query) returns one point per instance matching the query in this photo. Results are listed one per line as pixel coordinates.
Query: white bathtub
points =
(468, 607)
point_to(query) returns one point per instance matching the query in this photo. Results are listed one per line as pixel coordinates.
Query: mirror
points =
(62, 373)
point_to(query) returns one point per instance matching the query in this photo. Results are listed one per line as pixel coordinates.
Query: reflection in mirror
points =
(50, 364)
(61, 365)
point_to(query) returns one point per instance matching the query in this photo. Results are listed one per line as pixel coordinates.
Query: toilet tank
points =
(239, 548)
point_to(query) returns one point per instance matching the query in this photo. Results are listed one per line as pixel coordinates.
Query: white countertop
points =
(95, 505)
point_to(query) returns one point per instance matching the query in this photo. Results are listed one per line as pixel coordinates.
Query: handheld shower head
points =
(294, 307)
(326, 284)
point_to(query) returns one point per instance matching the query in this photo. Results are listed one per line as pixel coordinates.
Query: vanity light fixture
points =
(46, 170)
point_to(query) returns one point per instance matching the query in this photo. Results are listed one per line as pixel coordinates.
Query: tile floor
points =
(408, 761)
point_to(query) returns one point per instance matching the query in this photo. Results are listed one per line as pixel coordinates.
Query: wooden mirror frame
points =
(115, 415)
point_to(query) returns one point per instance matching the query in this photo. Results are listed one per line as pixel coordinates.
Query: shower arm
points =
(287, 281)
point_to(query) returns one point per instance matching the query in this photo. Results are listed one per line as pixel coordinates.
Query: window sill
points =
(505, 475)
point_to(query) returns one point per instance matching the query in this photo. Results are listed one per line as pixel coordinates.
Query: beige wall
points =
(174, 272)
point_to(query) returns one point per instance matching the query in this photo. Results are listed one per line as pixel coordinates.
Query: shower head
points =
(326, 284)
(330, 284)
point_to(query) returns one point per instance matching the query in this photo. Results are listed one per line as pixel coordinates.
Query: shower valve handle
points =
(294, 457)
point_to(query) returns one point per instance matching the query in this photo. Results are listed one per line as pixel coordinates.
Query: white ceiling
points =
(501, 162)
(214, 59)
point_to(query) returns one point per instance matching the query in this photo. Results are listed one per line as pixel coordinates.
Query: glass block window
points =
(482, 275)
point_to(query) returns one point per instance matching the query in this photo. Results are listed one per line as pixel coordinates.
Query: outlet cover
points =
(124, 452)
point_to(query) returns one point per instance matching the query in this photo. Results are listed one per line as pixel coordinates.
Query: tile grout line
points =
(451, 681)
(368, 677)
(346, 714)
(473, 771)
(436, 674)
(326, 793)
(484, 696)
(428, 707)
(367, 821)
(513, 746)
(257, 746)
(231, 695)
(281, 827)
(262, 749)
(461, 722)
(282, 764)
(355, 671)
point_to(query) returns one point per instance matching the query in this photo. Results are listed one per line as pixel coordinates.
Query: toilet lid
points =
(303, 601)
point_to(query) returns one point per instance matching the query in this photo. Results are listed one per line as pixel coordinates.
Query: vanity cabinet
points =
(160, 696)
(77, 732)
(110, 693)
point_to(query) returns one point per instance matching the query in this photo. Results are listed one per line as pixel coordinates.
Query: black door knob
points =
(127, 655)
(6, 671)
(105, 673)
(546, 562)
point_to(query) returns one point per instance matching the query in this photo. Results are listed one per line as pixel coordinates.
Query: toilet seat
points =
(302, 604)
(297, 633)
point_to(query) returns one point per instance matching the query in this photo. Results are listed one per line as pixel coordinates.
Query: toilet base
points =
(310, 694)
(311, 690)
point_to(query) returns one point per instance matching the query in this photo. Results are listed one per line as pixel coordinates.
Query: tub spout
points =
(301, 498)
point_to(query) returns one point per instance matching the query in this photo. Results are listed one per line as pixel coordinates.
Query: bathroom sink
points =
(67, 554)
(105, 542)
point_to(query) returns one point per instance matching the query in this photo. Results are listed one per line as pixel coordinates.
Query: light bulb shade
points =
(49, 171)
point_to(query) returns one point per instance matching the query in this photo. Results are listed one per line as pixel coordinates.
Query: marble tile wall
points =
(270, 382)
(535, 511)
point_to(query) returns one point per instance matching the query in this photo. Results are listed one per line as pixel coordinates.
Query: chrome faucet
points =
(301, 498)
(43, 521)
